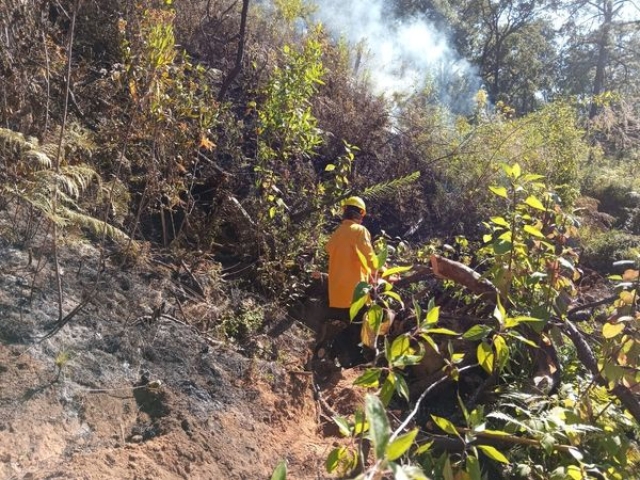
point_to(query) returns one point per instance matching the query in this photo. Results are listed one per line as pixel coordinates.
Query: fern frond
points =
(117, 194)
(98, 227)
(385, 189)
(8, 136)
(38, 157)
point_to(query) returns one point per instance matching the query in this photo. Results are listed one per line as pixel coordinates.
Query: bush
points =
(603, 248)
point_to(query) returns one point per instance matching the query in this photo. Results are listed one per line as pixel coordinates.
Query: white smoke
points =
(400, 56)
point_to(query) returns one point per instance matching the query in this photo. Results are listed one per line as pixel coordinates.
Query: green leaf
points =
(339, 457)
(501, 222)
(395, 296)
(531, 230)
(611, 330)
(407, 472)
(477, 332)
(400, 445)
(343, 425)
(442, 331)
(394, 270)
(493, 453)
(500, 247)
(447, 471)
(360, 424)
(401, 387)
(473, 468)
(378, 425)
(427, 338)
(432, 316)
(548, 442)
(502, 351)
(388, 388)
(374, 317)
(522, 339)
(425, 447)
(485, 356)
(400, 346)
(356, 306)
(330, 167)
(280, 473)
(381, 257)
(535, 203)
(500, 191)
(500, 313)
(516, 170)
(512, 322)
(370, 378)
(532, 177)
(446, 425)
(362, 289)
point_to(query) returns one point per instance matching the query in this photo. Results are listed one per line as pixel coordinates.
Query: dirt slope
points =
(123, 393)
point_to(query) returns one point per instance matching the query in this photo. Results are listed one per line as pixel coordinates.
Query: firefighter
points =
(346, 270)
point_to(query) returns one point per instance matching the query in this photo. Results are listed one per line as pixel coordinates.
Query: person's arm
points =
(364, 246)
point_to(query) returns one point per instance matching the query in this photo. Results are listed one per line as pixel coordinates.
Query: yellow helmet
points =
(355, 202)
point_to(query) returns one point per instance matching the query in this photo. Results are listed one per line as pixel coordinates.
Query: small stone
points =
(136, 439)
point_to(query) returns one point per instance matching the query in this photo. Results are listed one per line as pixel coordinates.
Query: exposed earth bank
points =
(129, 386)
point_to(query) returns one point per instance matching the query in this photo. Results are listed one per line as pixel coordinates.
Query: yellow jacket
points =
(345, 268)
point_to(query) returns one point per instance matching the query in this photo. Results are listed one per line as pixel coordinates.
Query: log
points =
(465, 276)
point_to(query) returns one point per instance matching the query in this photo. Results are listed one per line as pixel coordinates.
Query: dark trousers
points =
(343, 344)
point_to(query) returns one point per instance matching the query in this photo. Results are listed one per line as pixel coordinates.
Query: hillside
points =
(171, 172)
(119, 392)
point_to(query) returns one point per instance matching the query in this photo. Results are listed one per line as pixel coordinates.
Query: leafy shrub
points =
(601, 249)
(246, 318)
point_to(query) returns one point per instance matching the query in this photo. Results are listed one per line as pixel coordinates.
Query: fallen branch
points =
(465, 276)
(627, 398)
(457, 444)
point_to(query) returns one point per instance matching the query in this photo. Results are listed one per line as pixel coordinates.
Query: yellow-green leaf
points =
(486, 356)
(357, 305)
(280, 472)
(627, 297)
(343, 425)
(394, 270)
(400, 445)
(370, 378)
(535, 203)
(446, 425)
(433, 316)
(610, 330)
(493, 453)
(500, 191)
(531, 230)
(378, 425)
(500, 221)
(502, 350)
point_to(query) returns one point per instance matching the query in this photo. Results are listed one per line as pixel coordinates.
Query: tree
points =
(598, 53)
(510, 42)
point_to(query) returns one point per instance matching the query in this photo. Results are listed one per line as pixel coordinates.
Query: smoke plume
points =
(400, 56)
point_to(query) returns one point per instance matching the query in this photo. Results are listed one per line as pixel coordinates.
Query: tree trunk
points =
(604, 46)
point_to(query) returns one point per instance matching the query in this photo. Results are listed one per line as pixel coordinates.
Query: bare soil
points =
(131, 388)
